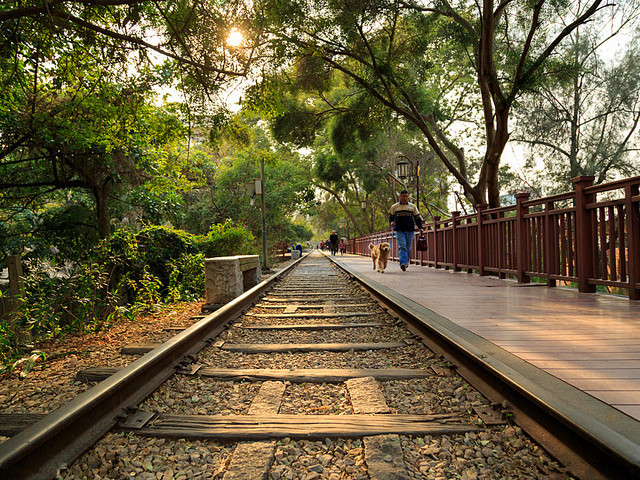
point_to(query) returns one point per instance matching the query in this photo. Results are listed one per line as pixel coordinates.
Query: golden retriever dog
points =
(380, 255)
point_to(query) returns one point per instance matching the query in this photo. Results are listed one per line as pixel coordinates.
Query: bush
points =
(126, 274)
(160, 246)
(186, 281)
(226, 239)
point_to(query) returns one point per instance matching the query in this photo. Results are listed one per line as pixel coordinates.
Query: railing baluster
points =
(572, 245)
(522, 244)
(622, 245)
(613, 273)
(549, 249)
(602, 230)
(454, 241)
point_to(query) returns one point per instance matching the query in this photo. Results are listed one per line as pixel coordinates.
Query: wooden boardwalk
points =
(591, 341)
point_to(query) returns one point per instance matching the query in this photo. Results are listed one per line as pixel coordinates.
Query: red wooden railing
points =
(590, 236)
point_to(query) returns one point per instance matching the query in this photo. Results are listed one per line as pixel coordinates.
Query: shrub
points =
(159, 246)
(125, 274)
(226, 239)
(186, 281)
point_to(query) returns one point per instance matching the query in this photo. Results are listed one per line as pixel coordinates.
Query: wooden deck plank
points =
(618, 397)
(259, 427)
(586, 364)
(307, 347)
(609, 384)
(611, 372)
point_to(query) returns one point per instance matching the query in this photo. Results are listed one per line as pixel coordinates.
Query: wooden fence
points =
(590, 236)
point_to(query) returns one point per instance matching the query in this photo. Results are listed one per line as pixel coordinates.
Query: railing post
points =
(522, 246)
(584, 234)
(549, 243)
(454, 241)
(435, 241)
(633, 240)
(481, 207)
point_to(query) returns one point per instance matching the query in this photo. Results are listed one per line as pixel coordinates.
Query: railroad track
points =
(306, 376)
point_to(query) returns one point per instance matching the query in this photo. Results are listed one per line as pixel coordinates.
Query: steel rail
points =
(590, 438)
(41, 450)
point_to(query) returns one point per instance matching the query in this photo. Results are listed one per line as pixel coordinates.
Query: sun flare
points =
(235, 37)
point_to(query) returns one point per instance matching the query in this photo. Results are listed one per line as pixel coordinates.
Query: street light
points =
(403, 172)
(403, 168)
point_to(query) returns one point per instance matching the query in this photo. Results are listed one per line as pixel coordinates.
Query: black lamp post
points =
(403, 172)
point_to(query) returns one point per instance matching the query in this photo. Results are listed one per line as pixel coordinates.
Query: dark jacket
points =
(406, 217)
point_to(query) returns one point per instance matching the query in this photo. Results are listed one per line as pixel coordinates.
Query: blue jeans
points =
(405, 240)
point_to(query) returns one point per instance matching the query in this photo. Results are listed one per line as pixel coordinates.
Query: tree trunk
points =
(101, 196)
(494, 154)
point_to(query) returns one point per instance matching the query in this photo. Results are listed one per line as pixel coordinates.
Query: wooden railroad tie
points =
(315, 305)
(268, 427)
(142, 348)
(318, 326)
(308, 347)
(294, 375)
(310, 315)
(283, 299)
(13, 423)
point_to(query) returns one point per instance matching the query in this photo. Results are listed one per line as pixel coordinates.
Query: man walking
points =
(403, 217)
(333, 238)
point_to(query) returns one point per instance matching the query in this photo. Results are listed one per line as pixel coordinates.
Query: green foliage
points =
(157, 246)
(328, 167)
(225, 239)
(127, 274)
(186, 281)
(66, 228)
(54, 304)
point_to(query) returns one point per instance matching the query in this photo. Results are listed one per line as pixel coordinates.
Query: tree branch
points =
(142, 43)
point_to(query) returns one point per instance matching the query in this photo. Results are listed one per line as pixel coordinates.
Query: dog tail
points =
(371, 245)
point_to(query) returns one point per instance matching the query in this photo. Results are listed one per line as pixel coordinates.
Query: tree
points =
(128, 25)
(70, 118)
(423, 60)
(584, 119)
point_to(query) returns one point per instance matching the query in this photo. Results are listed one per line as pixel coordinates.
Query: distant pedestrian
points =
(333, 238)
(342, 247)
(404, 216)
